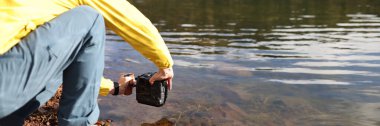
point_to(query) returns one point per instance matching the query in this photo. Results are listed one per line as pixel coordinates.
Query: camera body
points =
(154, 95)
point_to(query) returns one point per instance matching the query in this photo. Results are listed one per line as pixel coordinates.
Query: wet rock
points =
(47, 114)
(161, 122)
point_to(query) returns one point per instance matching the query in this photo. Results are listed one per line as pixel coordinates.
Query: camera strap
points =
(166, 94)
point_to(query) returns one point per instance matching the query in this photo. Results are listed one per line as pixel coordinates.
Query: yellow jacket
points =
(19, 17)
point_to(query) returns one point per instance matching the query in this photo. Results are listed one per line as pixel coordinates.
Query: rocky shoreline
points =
(47, 114)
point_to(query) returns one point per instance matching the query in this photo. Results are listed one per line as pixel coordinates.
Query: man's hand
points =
(126, 83)
(163, 74)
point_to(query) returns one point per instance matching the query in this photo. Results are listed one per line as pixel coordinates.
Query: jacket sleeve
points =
(105, 86)
(129, 23)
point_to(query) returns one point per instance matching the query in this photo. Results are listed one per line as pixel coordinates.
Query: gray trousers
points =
(67, 50)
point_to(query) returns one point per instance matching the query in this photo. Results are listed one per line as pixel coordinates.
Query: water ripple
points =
(311, 81)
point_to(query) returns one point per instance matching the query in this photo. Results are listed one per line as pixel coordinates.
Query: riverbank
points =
(47, 115)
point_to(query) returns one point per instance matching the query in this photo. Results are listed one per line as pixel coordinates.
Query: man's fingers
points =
(153, 78)
(170, 84)
(163, 74)
(126, 82)
(128, 89)
(157, 77)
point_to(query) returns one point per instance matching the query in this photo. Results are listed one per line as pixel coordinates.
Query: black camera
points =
(154, 95)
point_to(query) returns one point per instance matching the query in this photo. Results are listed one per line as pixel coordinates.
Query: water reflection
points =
(262, 62)
(335, 64)
(328, 82)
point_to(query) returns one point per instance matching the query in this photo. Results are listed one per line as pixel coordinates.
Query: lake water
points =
(258, 62)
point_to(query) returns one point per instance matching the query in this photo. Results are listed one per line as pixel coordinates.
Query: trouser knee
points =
(97, 31)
